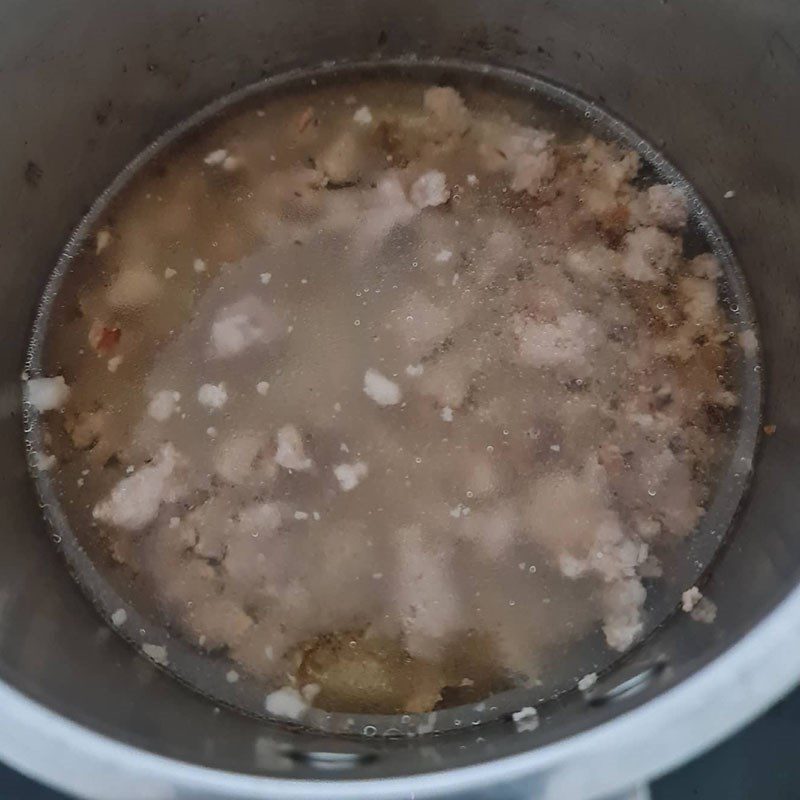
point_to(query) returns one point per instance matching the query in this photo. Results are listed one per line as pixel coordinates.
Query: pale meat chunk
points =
(290, 452)
(136, 500)
(425, 594)
(566, 343)
(47, 394)
(649, 255)
(242, 325)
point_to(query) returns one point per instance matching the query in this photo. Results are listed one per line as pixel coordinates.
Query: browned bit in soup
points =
(391, 393)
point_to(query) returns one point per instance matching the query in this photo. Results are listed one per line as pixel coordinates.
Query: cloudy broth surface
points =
(386, 396)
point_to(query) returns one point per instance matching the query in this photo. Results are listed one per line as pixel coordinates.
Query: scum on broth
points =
(389, 397)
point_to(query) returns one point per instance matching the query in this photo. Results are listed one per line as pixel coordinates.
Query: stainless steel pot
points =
(85, 87)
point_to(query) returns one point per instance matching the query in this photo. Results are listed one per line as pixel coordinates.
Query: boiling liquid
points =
(388, 394)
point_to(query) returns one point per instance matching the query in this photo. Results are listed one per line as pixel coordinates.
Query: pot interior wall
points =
(715, 84)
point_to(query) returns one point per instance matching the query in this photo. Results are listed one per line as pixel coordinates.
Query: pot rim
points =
(719, 698)
(648, 740)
